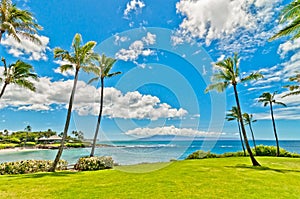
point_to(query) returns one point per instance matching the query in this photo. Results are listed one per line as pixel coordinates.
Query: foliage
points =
(75, 145)
(201, 155)
(262, 150)
(30, 144)
(13, 140)
(8, 146)
(29, 166)
(94, 163)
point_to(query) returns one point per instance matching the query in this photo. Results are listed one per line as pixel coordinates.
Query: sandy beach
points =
(19, 149)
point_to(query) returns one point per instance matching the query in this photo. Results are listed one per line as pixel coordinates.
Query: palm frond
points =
(113, 74)
(93, 80)
(280, 103)
(292, 93)
(66, 67)
(219, 87)
(252, 76)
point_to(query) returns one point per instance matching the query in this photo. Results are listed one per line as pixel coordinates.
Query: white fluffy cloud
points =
(65, 73)
(27, 48)
(170, 130)
(137, 48)
(237, 24)
(52, 95)
(133, 5)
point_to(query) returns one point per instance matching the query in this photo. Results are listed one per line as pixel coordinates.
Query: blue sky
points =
(165, 55)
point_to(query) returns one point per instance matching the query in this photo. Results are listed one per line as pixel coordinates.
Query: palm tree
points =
(290, 15)
(18, 73)
(248, 121)
(233, 115)
(228, 74)
(16, 22)
(105, 64)
(268, 98)
(27, 129)
(81, 58)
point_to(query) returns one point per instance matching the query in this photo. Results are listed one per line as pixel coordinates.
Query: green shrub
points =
(75, 145)
(30, 166)
(94, 163)
(262, 150)
(8, 146)
(232, 154)
(201, 155)
(13, 140)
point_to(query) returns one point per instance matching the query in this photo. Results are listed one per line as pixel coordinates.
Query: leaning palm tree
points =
(228, 74)
(105, 64)
(81, 58)
(268, 98)
(16, 22)
(18, 73)
(290, 15)
(248, 121)
(233, 115)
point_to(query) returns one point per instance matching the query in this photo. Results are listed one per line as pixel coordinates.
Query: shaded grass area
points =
(207, 178)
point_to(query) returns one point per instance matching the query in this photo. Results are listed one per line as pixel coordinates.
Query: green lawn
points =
(208, 178)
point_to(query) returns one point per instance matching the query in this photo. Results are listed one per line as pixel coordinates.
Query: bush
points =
(94, 163)
(13, 140)
(75, 145)
(30, 166)
(7, 146)
(201, 155)
(262, 150)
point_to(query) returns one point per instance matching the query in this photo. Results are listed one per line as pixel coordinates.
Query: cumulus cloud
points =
(27, 48)
(236, 24)
(133, 5)
(170, 130)
(120, 39)
(51, 95)
(137, 48)
(65, 73)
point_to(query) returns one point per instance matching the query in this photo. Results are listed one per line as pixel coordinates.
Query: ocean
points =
(135, 152)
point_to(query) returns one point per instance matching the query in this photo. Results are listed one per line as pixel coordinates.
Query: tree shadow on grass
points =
(263, 168)
(45, 174)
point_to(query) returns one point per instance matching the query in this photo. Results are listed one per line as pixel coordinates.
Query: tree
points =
(290, 15)
(27, 129)
(78, 134)
(104, 66)
(16, 22)
(269, 99)
(228, 74)
(18, 73)
(233, 115)
(81, 58)
(248, 121)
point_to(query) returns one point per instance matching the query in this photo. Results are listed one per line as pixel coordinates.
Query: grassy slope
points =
(210, 178)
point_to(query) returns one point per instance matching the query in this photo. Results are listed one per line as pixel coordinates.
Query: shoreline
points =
(19, 149)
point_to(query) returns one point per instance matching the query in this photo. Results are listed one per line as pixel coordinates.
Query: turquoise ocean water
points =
(134, 152)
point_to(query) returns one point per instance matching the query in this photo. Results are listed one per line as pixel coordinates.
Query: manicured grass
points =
(207, 178)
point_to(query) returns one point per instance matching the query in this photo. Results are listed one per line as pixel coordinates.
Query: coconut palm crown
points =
(291, 16)
(16, 22)
(228, 74)
(19, 73)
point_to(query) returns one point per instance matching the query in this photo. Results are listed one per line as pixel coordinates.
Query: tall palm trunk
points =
(99, 118)
(3, 89)
(253, 138)
(274, 127)
(241, 137)
(254, 161)
(61, 147)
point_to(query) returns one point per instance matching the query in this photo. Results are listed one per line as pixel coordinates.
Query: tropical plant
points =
(248, 121)
(18, 73)
(291, 16)
(228, 74)
(294, 89)
(27, 129)
(17, 22)
(81, 58)
(269, 99)
(104, 66)
(233, 115)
